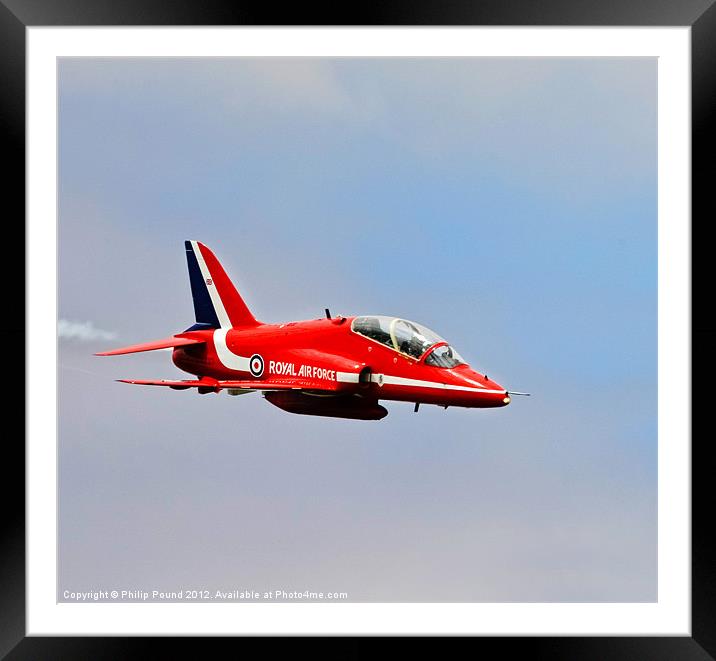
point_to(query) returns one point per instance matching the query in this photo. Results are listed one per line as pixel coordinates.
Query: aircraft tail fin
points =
(217, 304)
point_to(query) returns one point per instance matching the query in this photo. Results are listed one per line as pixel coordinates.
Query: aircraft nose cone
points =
(489, 393)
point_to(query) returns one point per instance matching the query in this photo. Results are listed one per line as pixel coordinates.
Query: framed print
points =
(523, 188)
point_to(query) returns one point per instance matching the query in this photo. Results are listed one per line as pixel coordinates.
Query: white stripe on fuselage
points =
(211, 288)
(417, 383)
(241, 364)
(347, 377)
(226, 356)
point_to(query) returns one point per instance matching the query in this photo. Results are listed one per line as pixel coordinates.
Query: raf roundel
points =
(256, 365)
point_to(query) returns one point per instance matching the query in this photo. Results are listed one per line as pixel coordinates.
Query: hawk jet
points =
(334, 366)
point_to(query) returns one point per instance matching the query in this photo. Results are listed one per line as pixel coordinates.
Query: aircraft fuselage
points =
(323, 353)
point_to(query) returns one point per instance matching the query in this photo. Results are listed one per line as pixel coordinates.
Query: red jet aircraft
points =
(337, 367)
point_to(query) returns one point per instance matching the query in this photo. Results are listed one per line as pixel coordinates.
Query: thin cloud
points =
(82, 331)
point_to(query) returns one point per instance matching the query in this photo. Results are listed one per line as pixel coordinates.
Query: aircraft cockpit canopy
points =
(409, 338)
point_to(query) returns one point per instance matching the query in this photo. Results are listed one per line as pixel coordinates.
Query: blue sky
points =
(509, 204)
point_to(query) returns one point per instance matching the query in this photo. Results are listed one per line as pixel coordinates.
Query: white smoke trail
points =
(82, 331)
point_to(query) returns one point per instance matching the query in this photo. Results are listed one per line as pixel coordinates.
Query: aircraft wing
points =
(213, 385)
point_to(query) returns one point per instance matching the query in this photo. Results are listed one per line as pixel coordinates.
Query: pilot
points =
(370, 327)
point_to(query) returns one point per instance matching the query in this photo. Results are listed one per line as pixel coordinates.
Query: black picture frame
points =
(17, 15)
